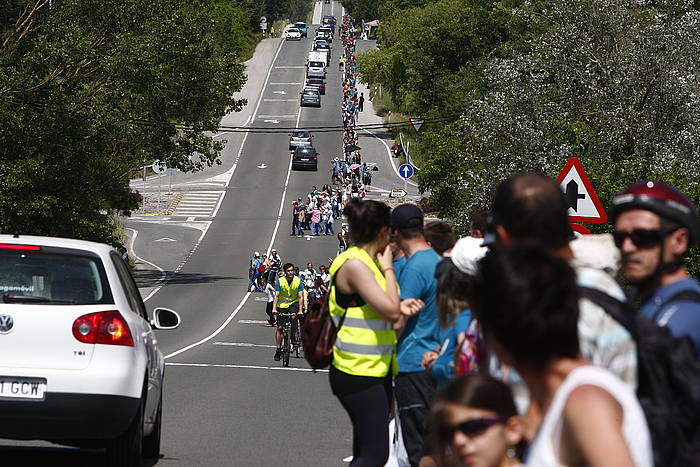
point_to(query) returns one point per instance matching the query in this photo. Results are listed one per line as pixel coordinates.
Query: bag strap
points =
(682, 295)
(618, 310)
(328, 297)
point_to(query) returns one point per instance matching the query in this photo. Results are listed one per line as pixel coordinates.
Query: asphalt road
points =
(226, 402)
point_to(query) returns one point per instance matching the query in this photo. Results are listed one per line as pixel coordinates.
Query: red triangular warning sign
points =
(417, 123)
(583, 202)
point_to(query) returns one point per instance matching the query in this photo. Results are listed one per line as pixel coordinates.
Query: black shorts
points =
(282, 319)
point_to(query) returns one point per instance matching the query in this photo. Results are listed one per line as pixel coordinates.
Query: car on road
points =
(317, 83)
(325, 35)
(327, 2)
(310, 96)
(305, 157)
(316, 69)
(300, 138)
(329, 20)
(327, 30)
(318, 42)
(302, 27)
(292, 34)
(79, 360)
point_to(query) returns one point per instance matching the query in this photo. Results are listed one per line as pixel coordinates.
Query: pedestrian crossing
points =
(198, 204)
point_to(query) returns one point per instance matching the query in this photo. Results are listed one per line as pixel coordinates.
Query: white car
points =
(79, 364)
(292, 34)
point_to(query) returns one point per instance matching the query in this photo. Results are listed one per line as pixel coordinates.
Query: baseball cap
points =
(406, 216)
(256, 254)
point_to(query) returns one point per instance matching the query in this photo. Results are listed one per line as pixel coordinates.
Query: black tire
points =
(286, 350)
(151, 443)
(125, 450)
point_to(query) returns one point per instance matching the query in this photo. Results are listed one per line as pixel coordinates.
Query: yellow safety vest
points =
(289, 293)
(366, 342)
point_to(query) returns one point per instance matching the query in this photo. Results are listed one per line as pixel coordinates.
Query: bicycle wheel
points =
(286, 347)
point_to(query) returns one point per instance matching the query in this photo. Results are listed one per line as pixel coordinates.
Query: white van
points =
(318, 57)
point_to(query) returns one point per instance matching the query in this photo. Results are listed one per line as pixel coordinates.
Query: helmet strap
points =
(646, 287)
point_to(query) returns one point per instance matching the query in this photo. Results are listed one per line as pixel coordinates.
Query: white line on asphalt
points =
(163, 273)
(391, 162)
(245, 297)
(284, 84)
(224, 132)
(244, 344)
(277, 116)
(251, 321)
(280, 100)
(290, 66)
(250, 367)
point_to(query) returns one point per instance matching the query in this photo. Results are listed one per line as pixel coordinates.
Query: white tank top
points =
(543, 450)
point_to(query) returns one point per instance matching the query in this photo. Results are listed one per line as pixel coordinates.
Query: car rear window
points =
(314, 81)
(300, 134)
(316, 64)
(311, 91)
(52, 278)
(292, 30)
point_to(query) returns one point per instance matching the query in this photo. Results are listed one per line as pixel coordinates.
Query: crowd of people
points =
(517, 344)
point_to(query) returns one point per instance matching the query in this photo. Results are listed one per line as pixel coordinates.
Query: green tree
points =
(78, 79)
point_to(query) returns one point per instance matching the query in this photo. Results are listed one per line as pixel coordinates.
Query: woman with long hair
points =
(364, 304)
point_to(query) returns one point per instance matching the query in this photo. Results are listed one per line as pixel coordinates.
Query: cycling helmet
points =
(661, 198)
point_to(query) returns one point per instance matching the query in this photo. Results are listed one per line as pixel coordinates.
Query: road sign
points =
(581, 198)
(580, 230)
(158, 166)
(417, 123)
(406, 171)
(397, 193)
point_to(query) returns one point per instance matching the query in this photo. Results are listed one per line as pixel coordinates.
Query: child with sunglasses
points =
(474, 422)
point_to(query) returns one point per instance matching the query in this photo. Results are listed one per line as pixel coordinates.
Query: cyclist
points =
(289, 292)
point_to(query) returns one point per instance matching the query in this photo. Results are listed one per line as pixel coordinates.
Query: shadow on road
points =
(151, 278)
(55, 456)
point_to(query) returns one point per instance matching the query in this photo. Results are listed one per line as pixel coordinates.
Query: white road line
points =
(289, 67)
(244, 344)
(286, 117)
(391, 162)
(279, 217)
(284, 84)
(251, 321)
(162, 272)
(250, 367)
(280, 100)
(224, 132)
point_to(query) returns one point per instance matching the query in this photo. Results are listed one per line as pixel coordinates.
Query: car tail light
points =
(308, 139)
(315, 157)
(10, 246)
(104, 327)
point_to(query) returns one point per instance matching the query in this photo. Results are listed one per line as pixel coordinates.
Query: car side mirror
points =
(165, 318)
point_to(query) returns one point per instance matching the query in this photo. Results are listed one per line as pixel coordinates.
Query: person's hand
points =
(411, 306)
(274, 312)
(386, 258)
(429, 358)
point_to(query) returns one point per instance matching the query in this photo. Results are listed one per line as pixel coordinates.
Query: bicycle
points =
(286, 338)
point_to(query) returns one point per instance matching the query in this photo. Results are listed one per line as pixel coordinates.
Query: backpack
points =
(668, 381)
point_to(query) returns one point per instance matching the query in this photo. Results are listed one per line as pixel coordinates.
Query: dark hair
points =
(440, 235)
(474, 390)
(528, 301)
(366, 219)
(479, 221)
(531, 206)
(287, 266)
(453, 290)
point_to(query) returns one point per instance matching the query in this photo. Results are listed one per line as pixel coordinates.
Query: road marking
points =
(224, 132)
(190, 219)
(289, 66)
(165, 239)
(200, 203)
(279, 218)
(284, 84)
(283, 117)
(280, 100)
(163, 274)
(244, 344)
(251, 321)
(262, 166)
(250, 367)
(279, 92)
(271, 121)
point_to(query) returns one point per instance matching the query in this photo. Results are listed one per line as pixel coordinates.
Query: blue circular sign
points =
(406, 171)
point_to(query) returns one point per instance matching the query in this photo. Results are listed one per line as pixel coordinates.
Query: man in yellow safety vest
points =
(288, 295)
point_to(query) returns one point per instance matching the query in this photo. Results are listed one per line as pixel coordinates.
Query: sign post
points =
(406, 171)
(417, 123)
(581, 198)
(158, 168)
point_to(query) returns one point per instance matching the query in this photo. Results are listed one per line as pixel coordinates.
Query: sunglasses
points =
(642, 238)
(471, 427)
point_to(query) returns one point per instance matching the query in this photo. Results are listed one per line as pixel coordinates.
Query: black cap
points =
(406, 216)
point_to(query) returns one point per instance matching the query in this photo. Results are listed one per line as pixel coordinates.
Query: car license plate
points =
(305, 159)
(22, 388)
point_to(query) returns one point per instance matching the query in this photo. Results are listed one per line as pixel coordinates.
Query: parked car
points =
(302, 27)
(299, 138)
(317, 83)
(79, 361)
(310, 97)
(305, 157)
(292, 34)
(315, 69)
